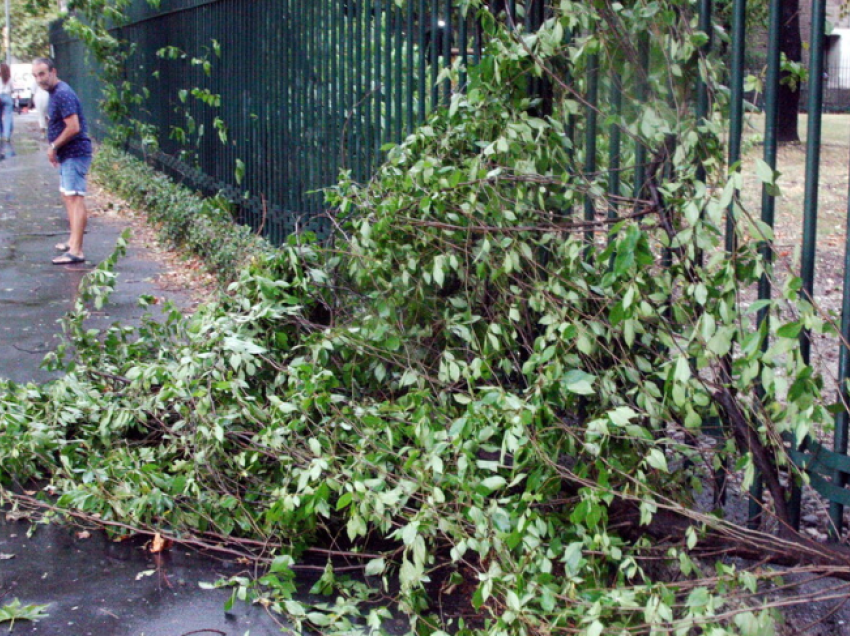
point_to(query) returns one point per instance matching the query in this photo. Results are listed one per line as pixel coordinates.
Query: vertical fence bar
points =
(323, 96)
(302, 170)
(290, 105)
(810, 200)
(768, 205)
(333, 81)
(298, 122)
(325, 35)
(281, 107)
(307, 112)
(400, 88)
(590, 140)
(337, 79)
(291, 140)
(272, 140)
(329, 81)
(736, 107)
(434, 46)
(281, 104)
(366, 97)
(423, 21)
(839, 442)
(310, 103)
(345, 53)
(570, 133)
(447, 49)
(378, 86)
(409, 65)
(702, 83)
(294, 140)
(464, 45)
(352, 50)
(532, 82)
(479, 43)
(312, 116)
(388, 88)
(614, 149)
(641, 94)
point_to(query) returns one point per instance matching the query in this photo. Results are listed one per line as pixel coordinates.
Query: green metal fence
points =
(289, 93)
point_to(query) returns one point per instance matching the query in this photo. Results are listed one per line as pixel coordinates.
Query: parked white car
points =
(22, 80)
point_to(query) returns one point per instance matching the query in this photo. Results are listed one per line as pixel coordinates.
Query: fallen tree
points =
(468, 392)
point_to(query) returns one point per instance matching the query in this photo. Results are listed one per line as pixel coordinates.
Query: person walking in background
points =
(7, 107)
(40, 97)
(70, 150)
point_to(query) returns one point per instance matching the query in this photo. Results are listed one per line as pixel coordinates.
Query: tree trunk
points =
(791, 44)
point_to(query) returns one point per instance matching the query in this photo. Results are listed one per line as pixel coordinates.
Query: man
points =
(70, 150)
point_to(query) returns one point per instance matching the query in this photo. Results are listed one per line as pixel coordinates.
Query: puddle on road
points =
(96, 587)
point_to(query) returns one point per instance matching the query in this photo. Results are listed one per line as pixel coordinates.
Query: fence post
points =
(592, 96)
(768, 206)
(736, 109)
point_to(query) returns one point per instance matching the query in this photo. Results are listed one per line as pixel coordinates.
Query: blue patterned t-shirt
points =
(64, 103)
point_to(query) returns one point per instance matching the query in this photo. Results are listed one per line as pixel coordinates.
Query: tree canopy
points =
(29, 34)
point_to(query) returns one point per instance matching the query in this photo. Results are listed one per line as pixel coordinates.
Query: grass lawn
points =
(835, 129)
(832, 202)
(791, 162)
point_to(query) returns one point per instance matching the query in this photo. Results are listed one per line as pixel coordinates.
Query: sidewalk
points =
(91, 586)
(35, 293)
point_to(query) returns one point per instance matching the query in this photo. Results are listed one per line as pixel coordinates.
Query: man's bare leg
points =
(75, 205)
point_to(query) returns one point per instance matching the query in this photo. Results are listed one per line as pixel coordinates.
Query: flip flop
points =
(68, 259)
(62, 247)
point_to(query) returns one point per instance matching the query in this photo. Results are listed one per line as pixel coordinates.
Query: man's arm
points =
(72, 127)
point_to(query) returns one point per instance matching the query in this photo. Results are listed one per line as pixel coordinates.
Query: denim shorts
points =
(72, 175)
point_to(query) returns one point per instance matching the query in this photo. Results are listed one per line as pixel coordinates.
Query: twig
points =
(565, 227)
(260, 229)
(33, 351)
(214, 544)
(110, 376)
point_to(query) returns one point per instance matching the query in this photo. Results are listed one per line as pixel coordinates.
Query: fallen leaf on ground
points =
(159, 544)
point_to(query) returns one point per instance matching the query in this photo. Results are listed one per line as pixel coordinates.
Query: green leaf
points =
(596, 628)
(683, 370)
(344, 501)
(492, 483)
(764, 172)
(622, 415)
(790, 330)
(15, 611)
(375, 567)
(721, 342)
(657, 460)
(578, 382)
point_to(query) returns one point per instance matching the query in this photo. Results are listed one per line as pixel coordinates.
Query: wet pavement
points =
(91, 586)
(95, 587)
(35, 293)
